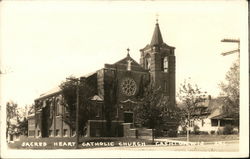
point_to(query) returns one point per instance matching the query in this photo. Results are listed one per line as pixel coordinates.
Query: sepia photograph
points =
(124, 79)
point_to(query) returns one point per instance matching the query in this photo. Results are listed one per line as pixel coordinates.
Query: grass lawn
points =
(207, 138)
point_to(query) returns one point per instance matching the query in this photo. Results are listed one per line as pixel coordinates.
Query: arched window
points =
(165, 64)
(58, 111)
(147, 62)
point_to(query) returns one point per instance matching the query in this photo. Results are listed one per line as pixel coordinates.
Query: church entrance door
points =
(128, 117)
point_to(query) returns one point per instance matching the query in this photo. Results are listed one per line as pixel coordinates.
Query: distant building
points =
(14, 131)
(212, 118)
(157, 65)
(12, 134)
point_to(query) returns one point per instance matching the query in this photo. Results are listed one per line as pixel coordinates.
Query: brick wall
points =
(98, 128)
(31, 126)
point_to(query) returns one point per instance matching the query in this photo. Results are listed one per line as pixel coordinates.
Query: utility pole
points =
(77, 108)
(232, 51)
(77, 113)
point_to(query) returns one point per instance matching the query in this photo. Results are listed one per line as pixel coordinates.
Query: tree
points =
(154, 110)
(23, 126)
(17, 122)
(11, 112)
(69, 94)
(31, 109)
(230, 89)
(191, 97)
(22, 122)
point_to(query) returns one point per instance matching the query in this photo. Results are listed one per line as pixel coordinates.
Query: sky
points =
(43, 42)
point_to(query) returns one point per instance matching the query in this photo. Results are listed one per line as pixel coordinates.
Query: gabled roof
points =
(216, 103)
(57, 89)
(50, 92)
(123, 63)
(210, 107)
(215, 112)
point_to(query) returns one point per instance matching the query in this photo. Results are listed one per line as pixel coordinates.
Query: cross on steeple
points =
(157, 38)
(157, 18)
(128, 50)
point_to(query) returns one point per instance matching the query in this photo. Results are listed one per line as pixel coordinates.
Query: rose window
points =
(128, 87)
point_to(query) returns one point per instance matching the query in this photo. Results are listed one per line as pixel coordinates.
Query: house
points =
(211, 117)
(14, 131)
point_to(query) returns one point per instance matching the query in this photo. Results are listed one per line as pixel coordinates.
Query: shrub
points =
(212, 132)
(183, 130)
(235, 131)
(158, 133)
(228, 129)
(204, 133)
(171, 133)
(196, 129)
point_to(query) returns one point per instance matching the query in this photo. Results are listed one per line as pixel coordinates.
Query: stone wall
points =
(127, 131)
(144, 133)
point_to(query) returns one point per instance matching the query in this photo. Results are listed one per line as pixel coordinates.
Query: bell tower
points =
(159, 59)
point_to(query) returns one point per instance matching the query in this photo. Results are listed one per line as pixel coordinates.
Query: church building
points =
(116, 87)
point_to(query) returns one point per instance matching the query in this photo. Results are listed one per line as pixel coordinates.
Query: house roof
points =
(216, 103)
(222, 116)
(214, 113)
(210, 107)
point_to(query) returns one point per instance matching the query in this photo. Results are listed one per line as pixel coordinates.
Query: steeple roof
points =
(157, 38)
